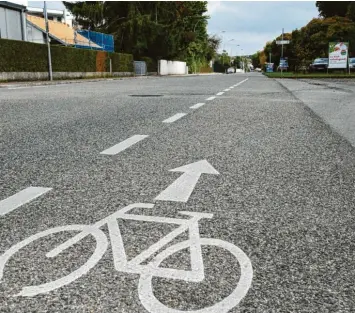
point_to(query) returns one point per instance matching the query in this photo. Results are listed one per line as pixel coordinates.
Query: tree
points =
(332, 8)
(160, 30)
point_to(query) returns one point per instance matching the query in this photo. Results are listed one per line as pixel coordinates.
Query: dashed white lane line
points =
(123, 145)
(226, 89)
(24, 196)
(231, 87)
(220, 93)
(210, 98)
(174, 118)
(243, 81)
(197, 105)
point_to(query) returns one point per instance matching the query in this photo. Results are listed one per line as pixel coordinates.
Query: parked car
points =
(230, 70)
(320, 64)
(258, 69)
(352, 64)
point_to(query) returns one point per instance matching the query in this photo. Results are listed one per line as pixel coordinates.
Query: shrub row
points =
(22, 56)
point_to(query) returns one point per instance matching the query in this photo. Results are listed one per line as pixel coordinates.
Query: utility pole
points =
(282, 50)
(50, 73)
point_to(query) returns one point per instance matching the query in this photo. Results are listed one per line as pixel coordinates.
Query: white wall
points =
(172, 67)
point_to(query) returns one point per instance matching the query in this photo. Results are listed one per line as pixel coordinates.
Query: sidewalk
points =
(76, 81)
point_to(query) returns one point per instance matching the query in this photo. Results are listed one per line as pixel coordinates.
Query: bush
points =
(66, 59)
(206, 69)
(122, 62)
(22, 56)
(152, 65)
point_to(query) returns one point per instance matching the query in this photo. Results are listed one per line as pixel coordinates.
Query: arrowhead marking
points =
(198, 167)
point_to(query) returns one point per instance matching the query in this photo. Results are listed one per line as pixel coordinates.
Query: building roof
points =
(49, 11)
(60, 32)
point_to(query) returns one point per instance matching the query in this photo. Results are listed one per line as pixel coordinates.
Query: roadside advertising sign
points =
(338, 54)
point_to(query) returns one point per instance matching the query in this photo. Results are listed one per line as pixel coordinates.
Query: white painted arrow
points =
(181, 189)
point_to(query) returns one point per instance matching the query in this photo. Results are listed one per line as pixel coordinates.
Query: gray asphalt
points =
(284, 195)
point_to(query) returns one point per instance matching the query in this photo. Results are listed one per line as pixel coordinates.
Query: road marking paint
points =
(158, 252)
(197, 105)
(243, 81)
(220, 93)
(210, 98)
(174, 118)
(12, 88)
(226, 89)
(24, 196)
(231, 87)
(181, 189)
(123, 145)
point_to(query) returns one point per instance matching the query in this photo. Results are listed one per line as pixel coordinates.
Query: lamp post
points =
(223, 31)
(50, 73)
(241, 58)
(231, 47)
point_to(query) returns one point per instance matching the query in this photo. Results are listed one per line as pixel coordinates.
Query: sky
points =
(250, 23)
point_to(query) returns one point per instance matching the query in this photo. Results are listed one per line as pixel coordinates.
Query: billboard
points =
(338, 54)
(283, 63)
(269, 67)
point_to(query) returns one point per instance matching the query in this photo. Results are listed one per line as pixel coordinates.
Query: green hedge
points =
(152, 65)
(122, 62)
(22, 56)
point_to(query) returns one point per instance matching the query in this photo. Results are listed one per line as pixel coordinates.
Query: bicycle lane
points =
(277, 197)
(84, 204)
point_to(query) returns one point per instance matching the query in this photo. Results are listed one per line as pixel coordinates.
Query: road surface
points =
(269, 182)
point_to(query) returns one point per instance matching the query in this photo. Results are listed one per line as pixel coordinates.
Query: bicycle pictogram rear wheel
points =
(100, 249)
(153, 305)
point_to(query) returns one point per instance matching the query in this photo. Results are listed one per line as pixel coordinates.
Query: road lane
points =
(284, 195)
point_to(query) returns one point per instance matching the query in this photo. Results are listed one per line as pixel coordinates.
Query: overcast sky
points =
(250, 23)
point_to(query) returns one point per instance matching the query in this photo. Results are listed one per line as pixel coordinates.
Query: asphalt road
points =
(278, 179)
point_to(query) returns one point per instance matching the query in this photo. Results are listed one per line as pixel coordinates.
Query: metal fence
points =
(105, 41)
(140, 68)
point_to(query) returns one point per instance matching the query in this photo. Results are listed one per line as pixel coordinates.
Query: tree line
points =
(173, 30)
(336, 22)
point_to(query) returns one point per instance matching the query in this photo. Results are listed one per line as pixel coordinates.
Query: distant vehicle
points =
(258, 69)
(352, 64)
(230, 70)
(320, 64)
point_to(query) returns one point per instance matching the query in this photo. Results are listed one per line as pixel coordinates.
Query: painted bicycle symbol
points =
(147, 271)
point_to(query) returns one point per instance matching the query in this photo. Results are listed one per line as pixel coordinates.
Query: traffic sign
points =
(282, 42)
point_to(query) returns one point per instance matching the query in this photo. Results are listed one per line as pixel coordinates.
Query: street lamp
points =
(223, 31)
(231, 48)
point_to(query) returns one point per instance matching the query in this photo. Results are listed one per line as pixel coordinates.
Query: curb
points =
(78, 81)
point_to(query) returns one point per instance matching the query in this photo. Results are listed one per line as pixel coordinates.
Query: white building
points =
(13, 20)
(62, 16)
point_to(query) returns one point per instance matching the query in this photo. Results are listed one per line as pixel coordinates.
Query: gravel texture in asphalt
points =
(284, 198)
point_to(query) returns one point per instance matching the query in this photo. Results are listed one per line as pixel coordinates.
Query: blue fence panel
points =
(105, 41)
